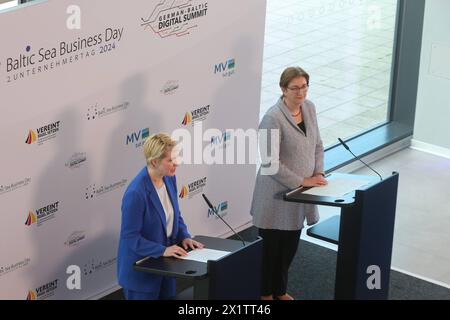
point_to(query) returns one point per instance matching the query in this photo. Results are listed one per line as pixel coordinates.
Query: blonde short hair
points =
(156, 146)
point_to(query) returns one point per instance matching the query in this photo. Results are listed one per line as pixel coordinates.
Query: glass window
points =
(346, 46)
(5, 4)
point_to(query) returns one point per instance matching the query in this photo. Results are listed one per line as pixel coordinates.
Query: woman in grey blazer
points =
(297, 152)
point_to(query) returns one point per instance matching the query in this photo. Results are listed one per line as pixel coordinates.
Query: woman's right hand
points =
(316, 181)
(174, 251)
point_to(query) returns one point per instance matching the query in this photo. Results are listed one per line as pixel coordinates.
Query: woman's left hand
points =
(189, 243)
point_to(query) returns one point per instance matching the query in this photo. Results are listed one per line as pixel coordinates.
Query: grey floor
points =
(422, 226)
(312, 277)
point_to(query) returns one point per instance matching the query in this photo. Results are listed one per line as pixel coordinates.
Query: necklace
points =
(296, 115)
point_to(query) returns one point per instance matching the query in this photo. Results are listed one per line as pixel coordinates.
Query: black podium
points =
(364, 235)
(236, 276)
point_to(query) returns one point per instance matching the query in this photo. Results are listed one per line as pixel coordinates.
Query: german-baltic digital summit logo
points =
(43, 134)
(175, 18)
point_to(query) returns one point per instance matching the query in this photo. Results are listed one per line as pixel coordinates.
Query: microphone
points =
(214, 210)
(358, 158)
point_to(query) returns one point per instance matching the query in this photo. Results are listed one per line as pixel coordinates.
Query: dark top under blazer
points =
(143, 231)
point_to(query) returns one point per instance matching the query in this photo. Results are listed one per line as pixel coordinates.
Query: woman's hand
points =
(315, 181)
(174, 251)
(189, 243)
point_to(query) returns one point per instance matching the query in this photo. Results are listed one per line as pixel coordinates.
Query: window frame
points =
(401, 103)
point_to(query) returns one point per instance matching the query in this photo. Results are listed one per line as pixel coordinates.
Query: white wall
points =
(433, 100)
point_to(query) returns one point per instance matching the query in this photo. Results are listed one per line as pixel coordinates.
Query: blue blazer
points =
(143, 231)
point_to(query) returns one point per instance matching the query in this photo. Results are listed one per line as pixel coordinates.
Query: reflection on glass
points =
(5, 4)
(346, 46)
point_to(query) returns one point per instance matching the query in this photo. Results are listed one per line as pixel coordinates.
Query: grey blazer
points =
(298, 156)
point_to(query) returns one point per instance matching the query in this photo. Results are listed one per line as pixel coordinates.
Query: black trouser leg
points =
(279, 249)
(289, 244)
(270, 254)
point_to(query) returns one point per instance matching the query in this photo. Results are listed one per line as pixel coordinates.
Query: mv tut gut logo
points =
(175, 18)
(221, 209)
(221, 141)
(42, 215)
(193, 188)
(43, 134)
(196, 115)
(43, 292)
(226, 69)
(138, 138)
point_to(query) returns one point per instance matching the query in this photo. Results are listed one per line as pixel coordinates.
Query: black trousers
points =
(279, 248)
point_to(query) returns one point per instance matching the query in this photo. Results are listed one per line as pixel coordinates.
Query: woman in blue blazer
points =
(152, 225)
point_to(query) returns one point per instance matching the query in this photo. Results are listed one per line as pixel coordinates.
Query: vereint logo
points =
(31, 219)
(184, 192)
(32, 137)
(31, 295)
(187, 119)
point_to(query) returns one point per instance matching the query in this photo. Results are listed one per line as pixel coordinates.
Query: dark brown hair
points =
(291, 73)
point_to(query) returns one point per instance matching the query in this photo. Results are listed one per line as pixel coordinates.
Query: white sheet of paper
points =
(205, 254)
(338, 185)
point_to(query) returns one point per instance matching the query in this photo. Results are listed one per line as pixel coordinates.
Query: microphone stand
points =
(358, 158)
(215, 212)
